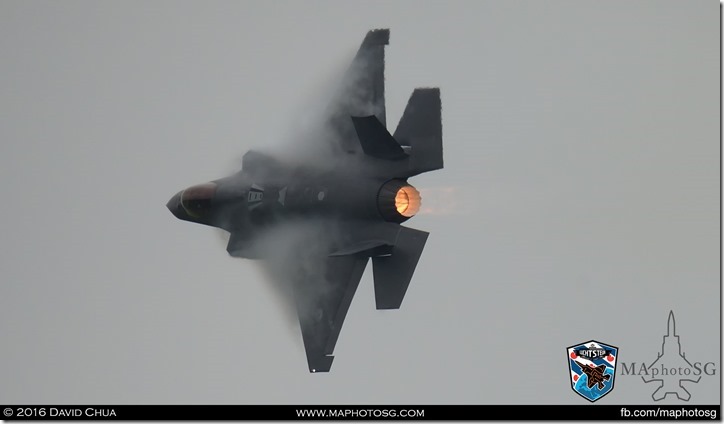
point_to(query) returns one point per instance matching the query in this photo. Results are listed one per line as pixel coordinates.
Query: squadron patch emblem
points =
(592, 367)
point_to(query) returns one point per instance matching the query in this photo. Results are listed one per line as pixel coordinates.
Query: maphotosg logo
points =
(592, 367)
(672, 371)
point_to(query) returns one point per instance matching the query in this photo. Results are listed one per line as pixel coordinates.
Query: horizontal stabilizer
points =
(369, 247)
(421, 129)
(376, 141)
(393, 273)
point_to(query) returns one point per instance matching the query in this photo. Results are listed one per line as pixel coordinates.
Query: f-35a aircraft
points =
(360, 196)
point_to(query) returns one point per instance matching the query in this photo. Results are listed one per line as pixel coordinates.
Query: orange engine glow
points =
(407, 201)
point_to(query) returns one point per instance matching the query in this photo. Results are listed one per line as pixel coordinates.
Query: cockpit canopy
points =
(196, 200)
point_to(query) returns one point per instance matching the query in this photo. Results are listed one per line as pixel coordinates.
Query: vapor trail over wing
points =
(323, 299)
(362, 92)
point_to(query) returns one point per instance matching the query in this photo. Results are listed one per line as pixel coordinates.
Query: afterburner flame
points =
(407, 201)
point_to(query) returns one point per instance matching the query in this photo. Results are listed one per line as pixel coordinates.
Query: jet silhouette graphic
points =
(671, 357)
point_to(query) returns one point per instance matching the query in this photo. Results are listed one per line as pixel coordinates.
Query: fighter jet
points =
(595, 374)
(358, 198)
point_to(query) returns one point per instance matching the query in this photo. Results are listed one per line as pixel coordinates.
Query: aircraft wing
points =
(323, 293)
(362, 89)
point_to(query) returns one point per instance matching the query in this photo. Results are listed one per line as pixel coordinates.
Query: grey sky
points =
(579, 199)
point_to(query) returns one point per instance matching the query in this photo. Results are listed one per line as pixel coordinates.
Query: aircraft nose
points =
(195, 203)
(174, 205)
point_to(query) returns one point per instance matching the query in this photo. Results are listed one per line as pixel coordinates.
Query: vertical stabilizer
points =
(421, 129)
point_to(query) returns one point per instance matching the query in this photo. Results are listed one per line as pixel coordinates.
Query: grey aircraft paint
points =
(355, 202)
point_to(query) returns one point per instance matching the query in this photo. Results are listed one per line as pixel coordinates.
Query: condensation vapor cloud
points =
(321, 135)
(294, 253)
(295, 260)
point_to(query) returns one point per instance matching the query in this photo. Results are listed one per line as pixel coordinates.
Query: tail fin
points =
(376, 141)
(393, 273)
(421, 128)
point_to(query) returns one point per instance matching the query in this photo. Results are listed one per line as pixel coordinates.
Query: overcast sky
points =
(579, 198)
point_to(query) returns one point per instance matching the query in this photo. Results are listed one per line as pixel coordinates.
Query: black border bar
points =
(360, 412)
